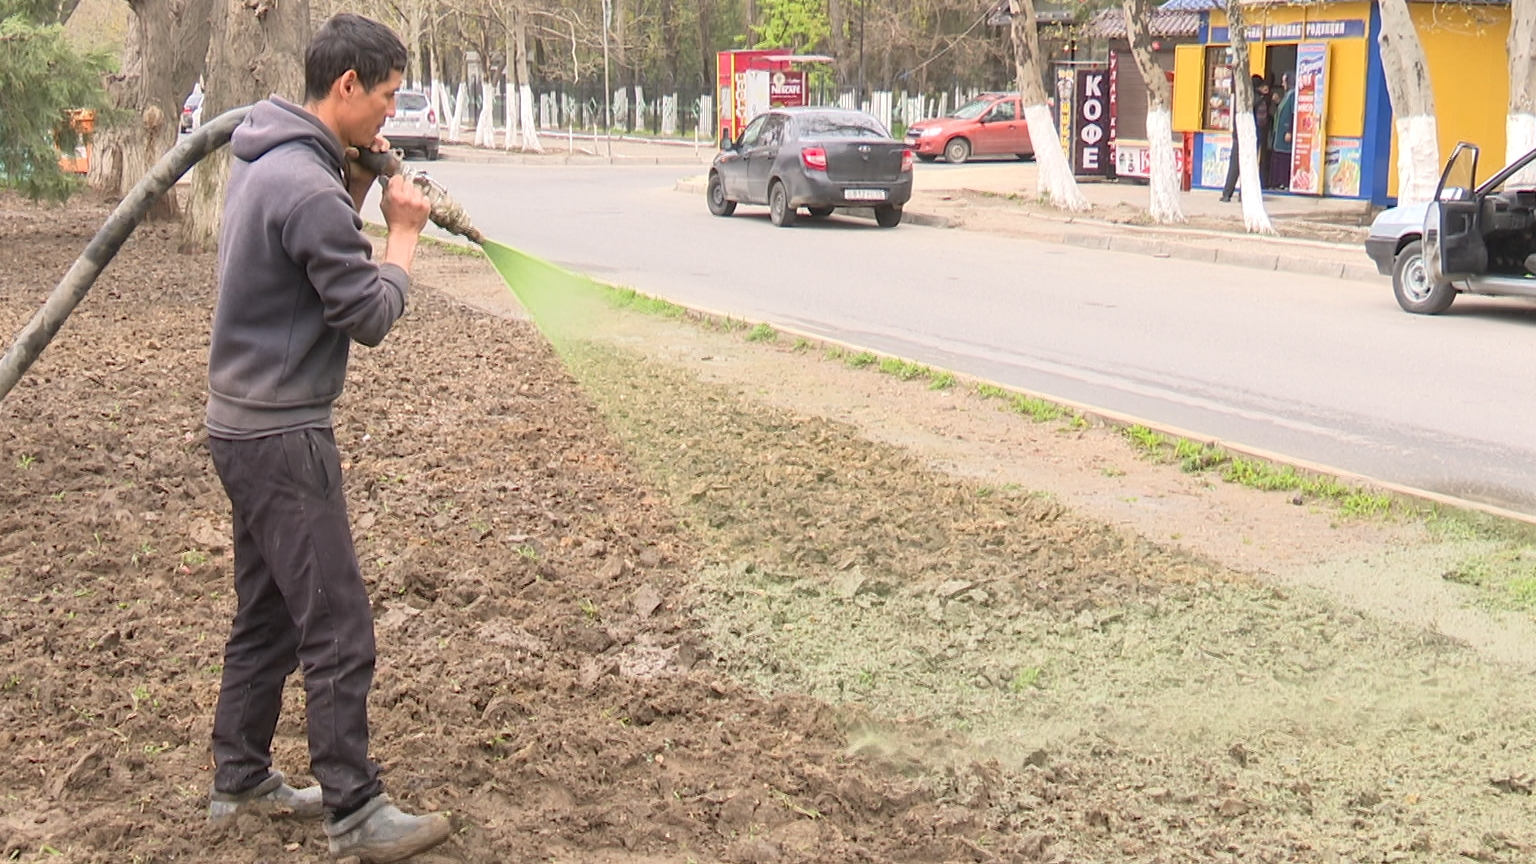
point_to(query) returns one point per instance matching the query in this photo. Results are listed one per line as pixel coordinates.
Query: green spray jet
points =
(562, 304)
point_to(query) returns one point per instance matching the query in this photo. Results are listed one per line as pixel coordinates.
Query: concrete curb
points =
(1284, 260)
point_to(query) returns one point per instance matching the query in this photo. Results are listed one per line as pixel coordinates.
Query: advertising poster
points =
(1215, 150)
(1090, 145)
(787, 89)
(1064, 107)
(1309, 138)
(1341, 174)
(1134, 159)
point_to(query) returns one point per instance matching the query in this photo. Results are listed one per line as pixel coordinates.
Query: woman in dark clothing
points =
(1263, 121)
(1284, 126)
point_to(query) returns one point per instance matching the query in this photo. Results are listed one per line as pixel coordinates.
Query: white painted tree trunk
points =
(456, 125)
(1166, 183)
(1520, 139)
(1255, 217)
(531, 140)
(1244, 129)
(1418, 158)
(1413, 104)
(512, 116)
(1056, 183)
(1520, 123)
(485, 123)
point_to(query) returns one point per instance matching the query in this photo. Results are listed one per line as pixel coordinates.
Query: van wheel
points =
(957, 151)
(1416, 292)
(432, 153)
(888, 216)
(779, 208)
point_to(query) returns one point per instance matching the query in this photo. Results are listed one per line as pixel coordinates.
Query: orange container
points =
(83, 121)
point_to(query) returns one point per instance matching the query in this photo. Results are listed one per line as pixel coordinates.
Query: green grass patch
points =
(903, 369)
(942, 381)
(1506, 577)
(861, 359)
(762, 333)
(1037, 410)
(634, 301)
(991, 391)
(1148, 442)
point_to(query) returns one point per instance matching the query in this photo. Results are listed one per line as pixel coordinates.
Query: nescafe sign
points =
(1090, 137)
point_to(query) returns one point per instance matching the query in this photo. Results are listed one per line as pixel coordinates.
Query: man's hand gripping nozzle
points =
(447, 213)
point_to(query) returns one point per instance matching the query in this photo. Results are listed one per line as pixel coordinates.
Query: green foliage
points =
(762, 333)
(799, 25)
(942, 381)
(41, 77)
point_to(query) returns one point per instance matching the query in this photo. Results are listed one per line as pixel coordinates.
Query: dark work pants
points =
(301, 601)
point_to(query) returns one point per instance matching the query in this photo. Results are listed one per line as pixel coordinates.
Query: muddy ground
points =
(687, 598)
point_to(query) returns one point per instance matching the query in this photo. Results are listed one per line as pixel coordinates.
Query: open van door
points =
(1453, 239)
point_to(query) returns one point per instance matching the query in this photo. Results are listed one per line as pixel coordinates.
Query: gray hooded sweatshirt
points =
(297, 282)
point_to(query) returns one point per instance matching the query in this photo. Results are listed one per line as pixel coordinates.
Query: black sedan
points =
(816, 158)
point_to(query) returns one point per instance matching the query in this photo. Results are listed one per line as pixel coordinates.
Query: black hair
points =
(348, 41)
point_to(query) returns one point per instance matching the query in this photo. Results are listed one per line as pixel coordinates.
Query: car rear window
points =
(410, 102)
(838, 126)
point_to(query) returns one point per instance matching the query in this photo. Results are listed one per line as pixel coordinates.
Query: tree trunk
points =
(254, 51)
(1056, 183)
(412, 20)
(514, 89)
(1166, 182)
(525, 83)
(1244, 129)
(163, 56)
(1520, 125)
(1413, 103)
(707, 51)
(707, 47)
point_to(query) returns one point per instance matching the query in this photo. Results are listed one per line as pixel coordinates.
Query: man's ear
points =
(347, 85)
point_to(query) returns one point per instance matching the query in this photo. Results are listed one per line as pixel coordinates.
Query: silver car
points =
(414, 127)
(1471, 239)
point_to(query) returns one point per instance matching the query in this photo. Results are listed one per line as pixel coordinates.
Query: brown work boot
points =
(379, 833)
(270, 795)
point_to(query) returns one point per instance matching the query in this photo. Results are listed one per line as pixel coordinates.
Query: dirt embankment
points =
(630, 612)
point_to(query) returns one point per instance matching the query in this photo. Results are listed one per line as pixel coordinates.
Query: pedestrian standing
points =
(1263, 123)
(1281, 140)
(297, 285)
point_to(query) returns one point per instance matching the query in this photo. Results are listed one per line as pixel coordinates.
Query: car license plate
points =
(864, 194)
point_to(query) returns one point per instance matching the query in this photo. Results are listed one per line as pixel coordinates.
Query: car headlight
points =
(931, 131)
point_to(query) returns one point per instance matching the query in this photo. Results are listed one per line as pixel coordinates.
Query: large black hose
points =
(34, 337)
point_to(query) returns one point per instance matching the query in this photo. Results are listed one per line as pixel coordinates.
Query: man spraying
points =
(297, 285)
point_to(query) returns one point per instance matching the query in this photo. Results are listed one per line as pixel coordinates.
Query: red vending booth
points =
(752, 81)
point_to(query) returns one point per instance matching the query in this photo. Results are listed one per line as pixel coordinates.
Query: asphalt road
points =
(1318, 369)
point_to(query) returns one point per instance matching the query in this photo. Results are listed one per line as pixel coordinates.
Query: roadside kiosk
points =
(752, 81)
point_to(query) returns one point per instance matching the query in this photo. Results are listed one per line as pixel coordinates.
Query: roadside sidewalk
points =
(1316, 236)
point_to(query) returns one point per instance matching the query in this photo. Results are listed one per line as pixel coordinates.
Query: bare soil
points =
(676, 597)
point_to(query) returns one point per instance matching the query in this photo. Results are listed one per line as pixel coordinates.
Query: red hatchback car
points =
(990, 125)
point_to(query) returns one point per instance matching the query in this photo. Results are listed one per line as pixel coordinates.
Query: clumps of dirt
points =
(541, 674)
